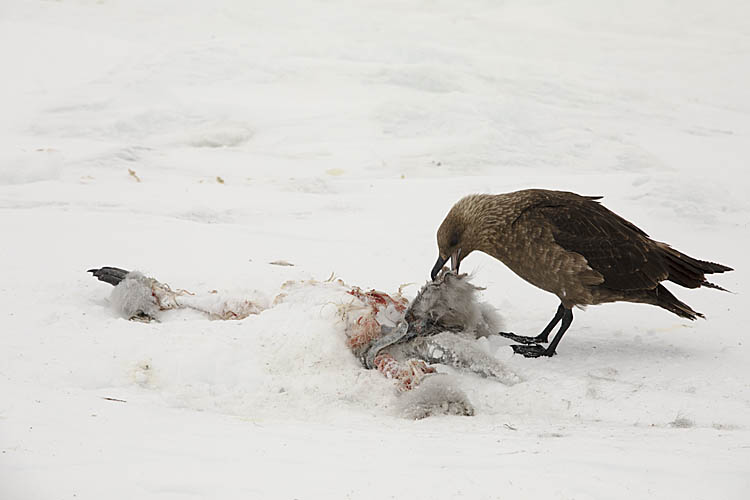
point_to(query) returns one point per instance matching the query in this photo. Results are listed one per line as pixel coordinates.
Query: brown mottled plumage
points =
(572, 246)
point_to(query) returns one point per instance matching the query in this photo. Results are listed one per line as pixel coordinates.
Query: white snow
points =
(199, 141)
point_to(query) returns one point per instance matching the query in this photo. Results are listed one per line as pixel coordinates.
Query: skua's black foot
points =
(523, 340)
(532, 351)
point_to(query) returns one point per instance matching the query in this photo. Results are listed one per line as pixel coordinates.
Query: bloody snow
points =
(235, 146)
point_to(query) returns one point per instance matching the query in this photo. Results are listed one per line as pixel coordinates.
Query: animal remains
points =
(573, 247)
(385, 332)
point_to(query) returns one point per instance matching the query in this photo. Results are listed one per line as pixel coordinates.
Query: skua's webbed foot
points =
(532, 351)
(521, 339)
(531, 347)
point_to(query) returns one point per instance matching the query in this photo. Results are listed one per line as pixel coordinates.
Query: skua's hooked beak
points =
(438, 266)
(441, 262)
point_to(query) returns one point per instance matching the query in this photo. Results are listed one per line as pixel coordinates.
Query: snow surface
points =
(200, 141)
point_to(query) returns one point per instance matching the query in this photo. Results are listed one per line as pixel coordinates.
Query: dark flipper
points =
(391, 336)
(111, 275)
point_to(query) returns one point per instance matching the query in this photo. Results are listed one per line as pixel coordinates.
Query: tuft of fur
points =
(437, 395)
(449, 303)
(133, 297)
